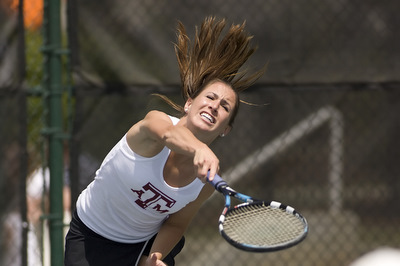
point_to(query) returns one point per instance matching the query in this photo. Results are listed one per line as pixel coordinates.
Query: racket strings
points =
(262, 225)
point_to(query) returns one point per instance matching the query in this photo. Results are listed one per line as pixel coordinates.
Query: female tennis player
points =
(152, 183)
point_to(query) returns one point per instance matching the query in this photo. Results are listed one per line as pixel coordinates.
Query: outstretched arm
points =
(150, 135)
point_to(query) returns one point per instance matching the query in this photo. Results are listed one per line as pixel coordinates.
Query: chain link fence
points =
(23, 183)
(326, 142)
(130, 42)
(12, 139)
(329, 151)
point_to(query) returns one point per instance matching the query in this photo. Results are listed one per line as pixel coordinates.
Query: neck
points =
(178, 170)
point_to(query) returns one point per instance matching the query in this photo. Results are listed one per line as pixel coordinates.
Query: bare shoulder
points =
(145, 137)
(158, 115)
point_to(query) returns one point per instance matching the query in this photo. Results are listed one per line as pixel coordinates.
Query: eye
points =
(226, 108)
(210, 97)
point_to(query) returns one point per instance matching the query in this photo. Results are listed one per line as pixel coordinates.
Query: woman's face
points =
(208, 115)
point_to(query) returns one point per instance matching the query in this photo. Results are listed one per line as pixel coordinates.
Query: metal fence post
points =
(53, 94)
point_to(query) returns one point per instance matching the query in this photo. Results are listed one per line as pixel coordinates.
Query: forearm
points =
(181, 140)
(156, 131)
(149, 136)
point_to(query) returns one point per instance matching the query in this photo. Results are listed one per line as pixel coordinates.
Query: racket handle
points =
(217, 182)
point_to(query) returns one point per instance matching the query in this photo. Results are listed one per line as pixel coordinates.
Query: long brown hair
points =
(212, 56)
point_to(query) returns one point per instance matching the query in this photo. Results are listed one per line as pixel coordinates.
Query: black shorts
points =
(84, 247)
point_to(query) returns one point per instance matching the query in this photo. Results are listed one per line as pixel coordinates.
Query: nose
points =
(214, 106)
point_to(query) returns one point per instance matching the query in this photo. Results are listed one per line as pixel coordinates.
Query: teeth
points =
(208, 117)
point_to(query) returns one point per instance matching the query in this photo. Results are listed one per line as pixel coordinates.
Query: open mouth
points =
(208, 117)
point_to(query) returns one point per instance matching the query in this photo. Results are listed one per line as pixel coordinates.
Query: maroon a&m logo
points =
(151, 197)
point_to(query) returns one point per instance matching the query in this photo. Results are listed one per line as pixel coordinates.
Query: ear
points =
(226, 131)
(188, 104)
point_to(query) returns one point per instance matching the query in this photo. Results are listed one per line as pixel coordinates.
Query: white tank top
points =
(129, 199)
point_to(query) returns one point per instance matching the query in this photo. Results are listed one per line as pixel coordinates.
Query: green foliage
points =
(34, 75)
(37, 111)
(34, 58)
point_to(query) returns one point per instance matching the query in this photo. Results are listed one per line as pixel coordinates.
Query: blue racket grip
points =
(217, 182)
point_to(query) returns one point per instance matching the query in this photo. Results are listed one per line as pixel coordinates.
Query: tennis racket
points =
(256, 225)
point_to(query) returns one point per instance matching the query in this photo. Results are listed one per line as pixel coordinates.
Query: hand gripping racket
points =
(257, 225)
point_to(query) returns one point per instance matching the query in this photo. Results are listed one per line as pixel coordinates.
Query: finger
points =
(152, 260)
(155, 261)
(154, 257)
(202, 176)
(202, 171)
(212, 172)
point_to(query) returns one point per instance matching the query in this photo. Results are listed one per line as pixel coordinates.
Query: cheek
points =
(199, 103)
(226, 119)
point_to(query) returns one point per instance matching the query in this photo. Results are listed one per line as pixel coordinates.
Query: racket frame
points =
(221, 186)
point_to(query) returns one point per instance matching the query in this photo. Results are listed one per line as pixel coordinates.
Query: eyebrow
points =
(223, 101)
